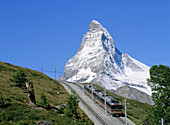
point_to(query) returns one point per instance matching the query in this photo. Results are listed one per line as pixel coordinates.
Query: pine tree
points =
(72, 106)
(159, 82)
(43, 99)
(19, 78)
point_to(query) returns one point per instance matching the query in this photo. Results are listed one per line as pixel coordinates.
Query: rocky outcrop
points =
(31, 94)
(132, 93)
(44, 123)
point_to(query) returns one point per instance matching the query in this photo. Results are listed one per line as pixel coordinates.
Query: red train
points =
(113, 107)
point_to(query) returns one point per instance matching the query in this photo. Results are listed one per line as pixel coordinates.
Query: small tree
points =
(43, 99)
(72, 106)
(2, 102)
(19, 78)
(159, 82)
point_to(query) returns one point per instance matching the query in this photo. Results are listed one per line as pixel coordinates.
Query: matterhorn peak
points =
(98, 61)
(95, 26)
(96, 22)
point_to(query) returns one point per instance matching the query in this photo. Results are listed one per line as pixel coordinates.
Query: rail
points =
(90, 109)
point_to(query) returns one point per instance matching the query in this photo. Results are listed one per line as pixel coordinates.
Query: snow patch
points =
(82, 74)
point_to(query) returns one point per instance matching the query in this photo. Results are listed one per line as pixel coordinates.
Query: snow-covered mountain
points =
(100, 62)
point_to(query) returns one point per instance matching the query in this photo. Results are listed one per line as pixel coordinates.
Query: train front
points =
(116, 108)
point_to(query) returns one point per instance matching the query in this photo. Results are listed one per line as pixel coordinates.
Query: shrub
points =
(43, 99)
(72, 106)
(19, 78)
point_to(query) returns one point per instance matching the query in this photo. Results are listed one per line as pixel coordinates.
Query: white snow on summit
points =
(100, 62)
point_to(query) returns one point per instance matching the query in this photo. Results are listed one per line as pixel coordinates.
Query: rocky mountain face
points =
(135, 94)
(98, 61)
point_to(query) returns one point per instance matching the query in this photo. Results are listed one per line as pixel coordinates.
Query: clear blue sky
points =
(35, 33)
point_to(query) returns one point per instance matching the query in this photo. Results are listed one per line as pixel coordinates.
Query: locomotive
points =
(113, 107)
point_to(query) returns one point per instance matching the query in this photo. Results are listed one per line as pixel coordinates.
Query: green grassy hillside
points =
(14, 107)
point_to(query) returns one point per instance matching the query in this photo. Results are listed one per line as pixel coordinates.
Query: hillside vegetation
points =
(14, 107)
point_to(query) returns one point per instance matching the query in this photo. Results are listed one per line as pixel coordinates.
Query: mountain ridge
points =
(100, 62)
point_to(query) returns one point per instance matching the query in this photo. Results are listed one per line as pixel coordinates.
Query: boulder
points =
(44, 123)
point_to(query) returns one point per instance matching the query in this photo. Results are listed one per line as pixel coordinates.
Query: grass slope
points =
(16, 110)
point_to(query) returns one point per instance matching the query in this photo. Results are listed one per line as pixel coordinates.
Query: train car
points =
(113, 107)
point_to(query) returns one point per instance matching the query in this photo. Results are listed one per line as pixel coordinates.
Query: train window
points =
(101, 100)
(117, 108)
(114, 101)
(108, 106)
(97, 90)
(95, 95)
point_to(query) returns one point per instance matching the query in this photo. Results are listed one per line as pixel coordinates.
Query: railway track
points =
(120, 119)
(90, 109)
